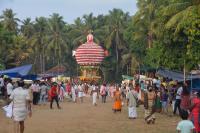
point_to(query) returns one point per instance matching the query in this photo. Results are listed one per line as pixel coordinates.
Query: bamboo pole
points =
(184, 71)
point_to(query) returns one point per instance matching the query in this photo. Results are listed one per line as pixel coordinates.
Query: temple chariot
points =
(89, 56)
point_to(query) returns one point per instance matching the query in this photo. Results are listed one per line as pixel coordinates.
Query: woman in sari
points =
(157, 100)
(149, 105)
(195, 112)
(117, 106)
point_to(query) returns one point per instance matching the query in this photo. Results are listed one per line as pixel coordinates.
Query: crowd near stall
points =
(153, 94)
(166, 92)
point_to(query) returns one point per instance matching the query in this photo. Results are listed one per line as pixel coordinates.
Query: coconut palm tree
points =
(9, 21)
(56, 36)
(82, 27)
(144, 20)
(77, 32)
(180, 11)
(117, 21)
(27, 28)
(6, 42)
(130, 61)
(39, 42)
(20, 51)
(90, 22)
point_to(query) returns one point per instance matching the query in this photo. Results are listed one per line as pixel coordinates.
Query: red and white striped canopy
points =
(89, 53)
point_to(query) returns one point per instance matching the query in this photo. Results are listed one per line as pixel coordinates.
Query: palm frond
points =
(174, 20)
(173, 9)
(108, 41)
(126, 59)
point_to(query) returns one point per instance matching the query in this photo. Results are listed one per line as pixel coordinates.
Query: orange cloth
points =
(118, 103)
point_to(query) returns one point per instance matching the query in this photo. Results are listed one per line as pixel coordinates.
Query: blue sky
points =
(69, 9)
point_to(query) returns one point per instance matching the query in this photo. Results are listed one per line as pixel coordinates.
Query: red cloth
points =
(195, 114)
(68, 88)
(137, 88)
(53, 91)
(49, 95)
(185, 102)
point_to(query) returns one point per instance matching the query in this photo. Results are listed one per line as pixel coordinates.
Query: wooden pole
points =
(184, 71)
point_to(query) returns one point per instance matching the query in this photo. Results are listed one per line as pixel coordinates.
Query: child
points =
(185, 126)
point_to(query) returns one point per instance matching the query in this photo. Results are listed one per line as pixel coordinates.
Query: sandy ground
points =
(85, 118)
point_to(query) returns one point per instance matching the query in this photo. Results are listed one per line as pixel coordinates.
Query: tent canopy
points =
(17, 71)
(57, 69)
(127, 77)
(176, 75)
(193, 80)
(30, 77)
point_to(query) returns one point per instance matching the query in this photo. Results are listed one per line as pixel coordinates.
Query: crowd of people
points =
(162, 96)
(166, 96)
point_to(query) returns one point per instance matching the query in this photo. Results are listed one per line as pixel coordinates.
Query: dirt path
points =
(85, 118)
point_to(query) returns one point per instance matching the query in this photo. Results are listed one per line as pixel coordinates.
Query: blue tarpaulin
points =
(195, 83)
(17, 71)
(193, 80)
(176, 75)
(30, 77)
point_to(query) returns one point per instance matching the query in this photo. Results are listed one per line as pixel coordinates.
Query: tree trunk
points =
(34, 64)
(117, 57)
(184, 71)
(127, 69)
(43, 60)
(41, 66)
(117, 53)
(150, 39)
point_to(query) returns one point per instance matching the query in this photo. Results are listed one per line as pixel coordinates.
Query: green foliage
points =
(9, 21)
(162, 33)
(2, 67)
(175, 29)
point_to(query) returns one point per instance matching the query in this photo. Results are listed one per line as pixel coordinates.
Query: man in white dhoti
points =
(80, 93)
(131, 103)
(74, 91)
(94, 94)
(21, 107)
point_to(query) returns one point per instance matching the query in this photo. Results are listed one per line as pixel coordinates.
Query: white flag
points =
(73, 53)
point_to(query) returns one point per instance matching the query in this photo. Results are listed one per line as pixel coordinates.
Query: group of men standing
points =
(79, 91)
(6, 87)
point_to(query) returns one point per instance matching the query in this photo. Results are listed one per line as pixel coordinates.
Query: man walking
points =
(132, 97)
(178, 99)
(103, 93)
(54, 95)
(36, 92)
(2, 87)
